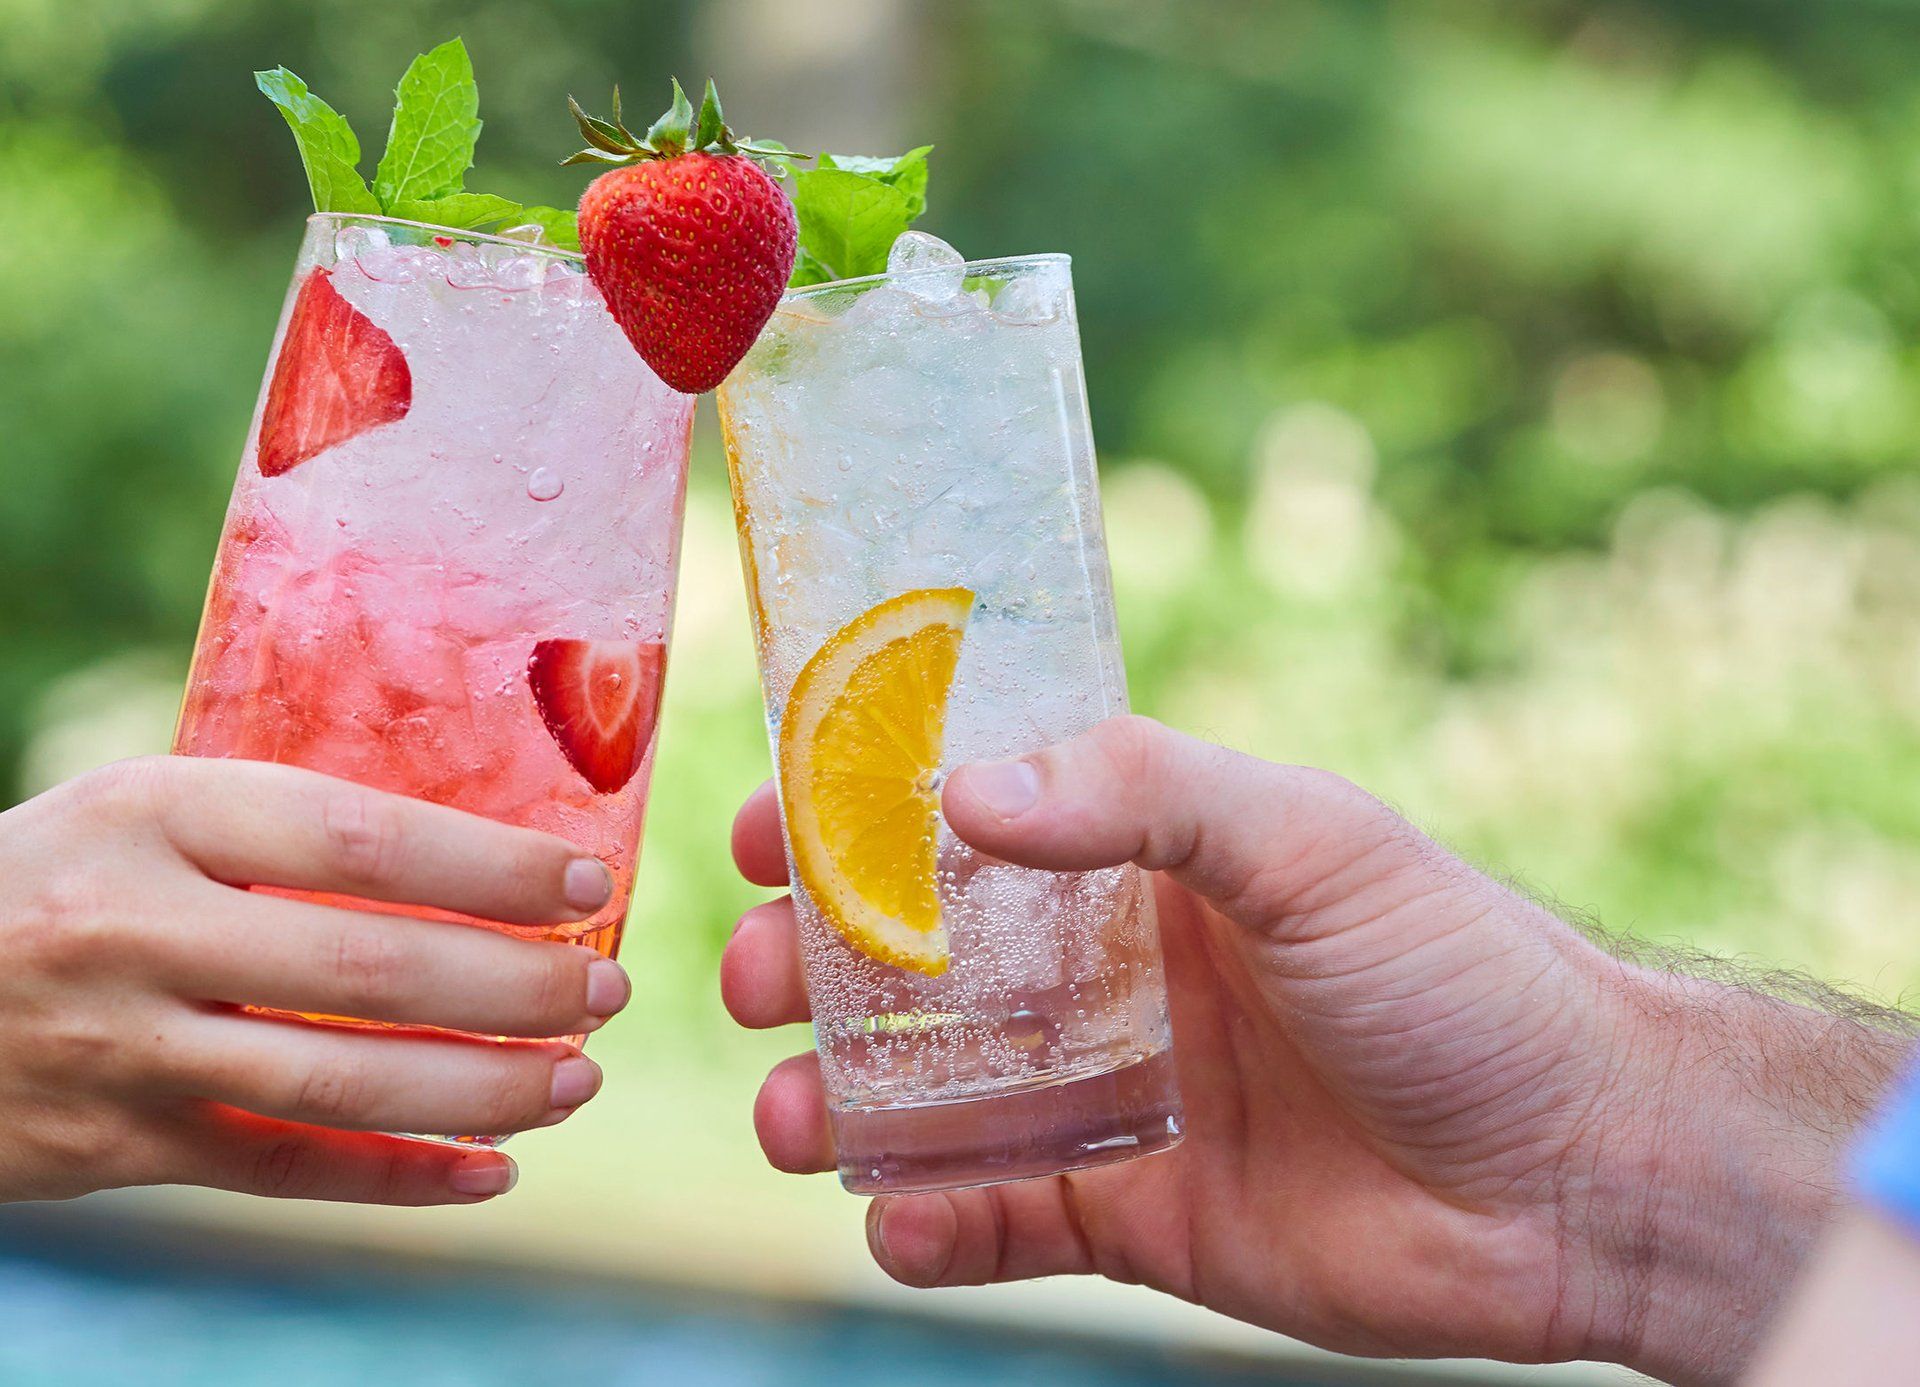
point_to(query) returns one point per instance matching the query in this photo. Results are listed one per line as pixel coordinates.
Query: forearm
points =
(1718, 1165)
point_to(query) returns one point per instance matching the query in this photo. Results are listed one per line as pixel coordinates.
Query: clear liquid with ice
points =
(892, 438)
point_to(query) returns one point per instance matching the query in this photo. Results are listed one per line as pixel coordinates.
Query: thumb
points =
(1259, 840)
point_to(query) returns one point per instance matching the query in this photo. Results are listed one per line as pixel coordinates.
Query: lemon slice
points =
(859, 749)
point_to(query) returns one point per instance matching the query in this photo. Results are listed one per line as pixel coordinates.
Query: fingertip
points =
(1002, 789)
(609, 989)
(761, 982)
(758, 851)
(482, 1177)
(790, 1118)
(983, 802)
(586, 884)
(913, 1237)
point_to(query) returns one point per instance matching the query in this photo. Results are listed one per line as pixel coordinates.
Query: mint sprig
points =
(430, 146)
(851, 208)
(328, 147)
(436, 124)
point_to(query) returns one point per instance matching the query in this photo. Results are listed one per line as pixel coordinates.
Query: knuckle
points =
(330, 1092)
(560, 989)
(71, 920)
(139, 784)
(76, 1051)
(286, 1167)
(72, 1150)
(365, 838)
(1131, 745)
(1338, 800)
(515, 1094)
(367, 963)
(78, 1044)
(395, 1173)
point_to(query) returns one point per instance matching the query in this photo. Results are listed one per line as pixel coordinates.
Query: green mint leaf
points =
(712, 124)
(460, 211)
(807, 270)
(848, 220)
(562, 225)
(907, 172)
(670, 133)
(436, 123)
(328, 148)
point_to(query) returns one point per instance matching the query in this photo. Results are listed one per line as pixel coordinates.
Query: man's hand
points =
(1424, 1116)
(131, 946)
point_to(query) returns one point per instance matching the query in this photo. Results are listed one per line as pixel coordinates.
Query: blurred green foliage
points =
(1513, 407)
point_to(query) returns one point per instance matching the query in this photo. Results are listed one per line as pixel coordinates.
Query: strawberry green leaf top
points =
(678, 131)
(430, 146)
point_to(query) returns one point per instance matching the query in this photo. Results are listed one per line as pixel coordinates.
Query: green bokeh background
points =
(1513, 407)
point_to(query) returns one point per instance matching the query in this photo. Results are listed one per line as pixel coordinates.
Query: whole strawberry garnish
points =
(688, 238)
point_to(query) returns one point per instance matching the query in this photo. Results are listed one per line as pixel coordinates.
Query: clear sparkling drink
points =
(448, 566)
(914, 484)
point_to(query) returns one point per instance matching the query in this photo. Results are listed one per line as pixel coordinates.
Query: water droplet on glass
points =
(545, 484)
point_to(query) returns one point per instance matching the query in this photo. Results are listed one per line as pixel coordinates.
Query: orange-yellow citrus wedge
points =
(859, 750)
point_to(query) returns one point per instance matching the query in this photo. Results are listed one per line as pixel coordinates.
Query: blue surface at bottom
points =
(87, 1312)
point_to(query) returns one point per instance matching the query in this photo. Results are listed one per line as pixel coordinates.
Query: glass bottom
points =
(488, 1142)
(1022, 1135)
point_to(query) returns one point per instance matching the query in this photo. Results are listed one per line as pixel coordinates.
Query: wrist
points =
(1712, 1164)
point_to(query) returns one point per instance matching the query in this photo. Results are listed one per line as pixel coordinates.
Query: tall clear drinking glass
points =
(448, 566)
(913, 480)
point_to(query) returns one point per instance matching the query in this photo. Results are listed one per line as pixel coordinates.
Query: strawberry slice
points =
(339, 374)
(599, 700)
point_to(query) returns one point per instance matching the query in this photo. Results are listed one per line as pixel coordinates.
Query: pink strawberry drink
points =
(448, 567)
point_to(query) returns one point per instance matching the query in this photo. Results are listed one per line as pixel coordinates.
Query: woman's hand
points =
(1424, 1117)
(129, 945)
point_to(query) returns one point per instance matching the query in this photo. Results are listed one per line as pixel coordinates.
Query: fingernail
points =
(607, 987)
(1008, 788)
(574, 1081)
(587, 884)
(484, 1177)
(917, 1257)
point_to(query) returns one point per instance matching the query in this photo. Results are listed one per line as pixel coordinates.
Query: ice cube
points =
(467, 267)
(931, 269)
(1033, 298)
(352, 241)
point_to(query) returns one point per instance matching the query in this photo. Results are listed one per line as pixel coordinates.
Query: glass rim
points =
(968, 269)
(538, 247)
